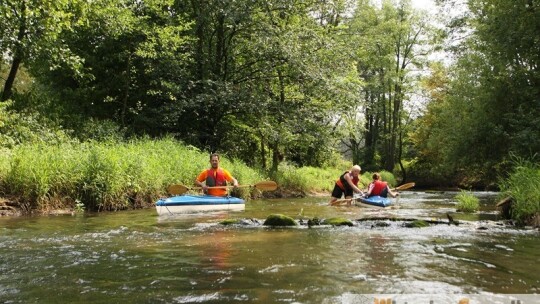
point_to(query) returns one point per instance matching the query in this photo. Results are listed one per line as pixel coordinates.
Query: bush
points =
(523, 186)
(467, 202)
(27, 127)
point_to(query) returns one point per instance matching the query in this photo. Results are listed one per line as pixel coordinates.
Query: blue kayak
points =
(198, 203)
(373, 201)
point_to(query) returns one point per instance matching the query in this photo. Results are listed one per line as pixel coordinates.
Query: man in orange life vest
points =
(215, 176)
(378, 187)
(346, 184)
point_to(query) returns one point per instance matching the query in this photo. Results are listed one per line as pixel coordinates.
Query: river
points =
(139, 257)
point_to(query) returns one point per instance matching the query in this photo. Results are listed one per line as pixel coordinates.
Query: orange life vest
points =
(216, 178)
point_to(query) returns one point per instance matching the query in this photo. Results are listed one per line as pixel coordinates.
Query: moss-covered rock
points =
(229, 222)
(416, 224)
(338, 221)
(279, 220)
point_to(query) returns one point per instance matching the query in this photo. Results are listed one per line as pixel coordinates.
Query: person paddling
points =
(346, 184)
(380, 188)
(215, 177)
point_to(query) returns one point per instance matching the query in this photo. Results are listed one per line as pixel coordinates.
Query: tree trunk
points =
(400, 155)
(8, 85)
(17, 57)
(220, 46)
(263, 153)
(125, 98)
(200, 24)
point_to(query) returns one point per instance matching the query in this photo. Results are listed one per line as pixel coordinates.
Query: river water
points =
(139, 257)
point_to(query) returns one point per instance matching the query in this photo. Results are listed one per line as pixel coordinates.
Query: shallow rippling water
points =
(138, 257)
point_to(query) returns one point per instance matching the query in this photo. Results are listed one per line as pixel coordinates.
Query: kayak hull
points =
(373, 201)
(198, 203)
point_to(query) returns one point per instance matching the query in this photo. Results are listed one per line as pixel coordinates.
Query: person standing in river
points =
(346, 184)
(215, 176)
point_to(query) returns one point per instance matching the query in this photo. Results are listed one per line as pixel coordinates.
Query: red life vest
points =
(378, 187)
(215, 178)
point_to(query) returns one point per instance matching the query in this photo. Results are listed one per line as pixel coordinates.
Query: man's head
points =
(214, 160)
(376, 176)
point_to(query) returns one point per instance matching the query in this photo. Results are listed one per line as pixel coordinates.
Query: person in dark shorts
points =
(347, 184)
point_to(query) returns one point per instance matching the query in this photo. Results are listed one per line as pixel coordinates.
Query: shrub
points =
(523, 186)
(467, 202)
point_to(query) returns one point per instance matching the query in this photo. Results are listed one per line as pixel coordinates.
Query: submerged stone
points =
(279, 220)
(313, 222)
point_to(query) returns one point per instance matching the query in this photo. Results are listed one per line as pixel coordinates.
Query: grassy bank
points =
(104, 175)
(124, 175)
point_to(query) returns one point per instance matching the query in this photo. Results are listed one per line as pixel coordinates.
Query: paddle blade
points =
(405, 186)
(177, 189)
(266, 186)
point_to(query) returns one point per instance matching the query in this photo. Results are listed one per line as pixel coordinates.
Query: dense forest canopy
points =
(274, 81)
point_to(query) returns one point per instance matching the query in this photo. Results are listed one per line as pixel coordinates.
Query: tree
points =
(134, 64)
(492, 110)
(391, 43)
(29, 29)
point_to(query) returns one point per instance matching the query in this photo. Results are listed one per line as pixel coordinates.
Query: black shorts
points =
(338, 192)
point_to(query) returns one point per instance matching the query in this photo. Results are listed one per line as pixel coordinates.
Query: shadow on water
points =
(136, 256)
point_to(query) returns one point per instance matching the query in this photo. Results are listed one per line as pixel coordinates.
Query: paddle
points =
(402, 187)
(263, 186)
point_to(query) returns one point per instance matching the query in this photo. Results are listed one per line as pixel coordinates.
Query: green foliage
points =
(493, 110)
(289, 178)
(467, 202)
(308, 179)
(523, 186)
(98, 130)
(388, 177)
(27, 127)
(104, 175)
(29, 33)
(79, 207)
(390, 42)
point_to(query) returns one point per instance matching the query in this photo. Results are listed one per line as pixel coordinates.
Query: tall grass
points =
(523, 185)
(306, 179)
(310, 179)
(104, 175)
(467, 202)
(111, 175)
